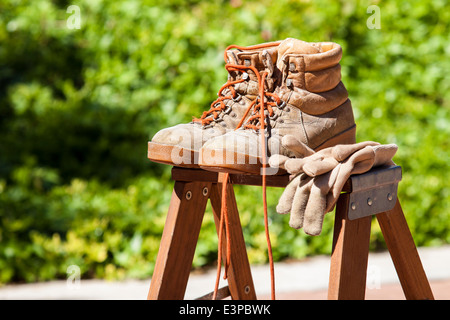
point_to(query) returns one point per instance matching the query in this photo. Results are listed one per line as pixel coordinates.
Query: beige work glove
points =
(317, 178)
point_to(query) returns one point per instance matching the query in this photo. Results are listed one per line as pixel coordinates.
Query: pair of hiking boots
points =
(290, 87)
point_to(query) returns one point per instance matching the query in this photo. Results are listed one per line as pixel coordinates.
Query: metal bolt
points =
(369, 201)
(389, 197)
(353, 206)
(247, 289)
(189, 195)
(205, 191)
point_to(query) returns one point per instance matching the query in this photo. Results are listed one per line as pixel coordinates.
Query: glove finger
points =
(300, 149)
(319, 163)
(295, 166)
(315, 208)
(359, 162)
(362, 166)
(361, 155)
(343, 151)
(299, 204)
(319, 167)
(333, 196)
(384, 154)
(278, 161)
(347, 166)
(285, 202)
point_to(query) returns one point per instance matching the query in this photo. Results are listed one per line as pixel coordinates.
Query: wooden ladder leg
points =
(179, 240)
(350, 254)
(240, 279)
(404, 254)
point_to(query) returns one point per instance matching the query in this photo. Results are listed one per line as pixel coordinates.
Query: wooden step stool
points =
(371, 193)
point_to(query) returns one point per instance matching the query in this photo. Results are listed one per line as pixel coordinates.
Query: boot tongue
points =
(294, 46)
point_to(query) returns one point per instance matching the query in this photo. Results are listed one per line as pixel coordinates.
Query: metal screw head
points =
(205, 191)
(389, 196)
(188, 195)
(247, 289)
(369, 201)
(353, 206)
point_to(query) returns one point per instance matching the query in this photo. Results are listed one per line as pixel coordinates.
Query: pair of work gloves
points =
(317, 178)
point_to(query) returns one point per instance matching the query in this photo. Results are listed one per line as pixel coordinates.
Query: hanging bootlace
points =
(259, 106)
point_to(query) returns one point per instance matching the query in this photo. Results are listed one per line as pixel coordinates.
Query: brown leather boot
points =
(179, 145)
(310, 102)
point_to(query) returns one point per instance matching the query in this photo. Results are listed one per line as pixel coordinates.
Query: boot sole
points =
(162, 153)
(253, 165)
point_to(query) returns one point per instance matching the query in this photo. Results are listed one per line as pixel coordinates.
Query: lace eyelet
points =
(237, 98)
(289, 82)
(227, 110)
(282, 105)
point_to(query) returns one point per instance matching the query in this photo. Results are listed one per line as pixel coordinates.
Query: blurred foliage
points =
(77, 108)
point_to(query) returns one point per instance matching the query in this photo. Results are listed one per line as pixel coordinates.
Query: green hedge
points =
(77, 108)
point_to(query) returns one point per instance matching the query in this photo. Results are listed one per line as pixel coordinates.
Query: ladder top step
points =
(372, 179)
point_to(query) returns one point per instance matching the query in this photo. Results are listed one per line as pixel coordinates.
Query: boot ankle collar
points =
(330, 55)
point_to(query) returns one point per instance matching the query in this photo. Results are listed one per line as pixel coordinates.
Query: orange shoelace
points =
(218, 105)
(254, 121)
(259, 114)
